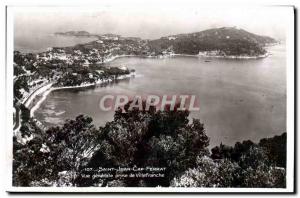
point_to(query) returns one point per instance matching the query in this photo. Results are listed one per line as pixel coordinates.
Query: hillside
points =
(226, 40)
(73, 33)
(230, 33)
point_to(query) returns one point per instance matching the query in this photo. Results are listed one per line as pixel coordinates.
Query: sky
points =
(151, 22)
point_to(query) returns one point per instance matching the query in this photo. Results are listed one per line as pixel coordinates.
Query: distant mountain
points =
(74, 33)
(226, 40)
(228, 33)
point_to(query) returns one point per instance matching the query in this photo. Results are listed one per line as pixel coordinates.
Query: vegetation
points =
(229, 41)
(75, 65)
(42, 160)
(21, 84)
(61, 155)
(78, 75)
(252, 169)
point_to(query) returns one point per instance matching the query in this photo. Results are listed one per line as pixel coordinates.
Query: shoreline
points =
(237, 57)
(116, 57)
(191, 55)
(45, 90)
(48, 90)
(37, 105)
(38, 91)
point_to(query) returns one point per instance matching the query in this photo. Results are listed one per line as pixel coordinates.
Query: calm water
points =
(41, 41)
(239, 99)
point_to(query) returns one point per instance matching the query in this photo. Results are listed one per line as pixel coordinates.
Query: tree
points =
(29, 163)
(253, 170)
(60, 156)
(20, 83)
(275, 149)
(150, 138)
(208, 173)
(258, 172)
(56, 154)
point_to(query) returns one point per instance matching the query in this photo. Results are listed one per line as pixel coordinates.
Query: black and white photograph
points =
(167, 98)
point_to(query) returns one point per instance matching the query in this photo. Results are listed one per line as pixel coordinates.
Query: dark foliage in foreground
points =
(144, 139)
(151, 138)
(274, 148)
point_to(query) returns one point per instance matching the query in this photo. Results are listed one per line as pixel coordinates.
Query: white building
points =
(86, 63)
(124, 68)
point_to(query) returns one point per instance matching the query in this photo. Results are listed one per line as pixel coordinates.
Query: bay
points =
(239, 99)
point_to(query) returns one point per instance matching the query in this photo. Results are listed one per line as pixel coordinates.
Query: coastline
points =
(46, 91)
(118, 56)
(36, 106)
(236, 57)
(36, 92)
(191, 55)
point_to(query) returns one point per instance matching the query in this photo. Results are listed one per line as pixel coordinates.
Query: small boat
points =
(207, 61)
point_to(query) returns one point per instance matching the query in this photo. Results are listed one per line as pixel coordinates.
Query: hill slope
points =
(226, 40)
(73, 33)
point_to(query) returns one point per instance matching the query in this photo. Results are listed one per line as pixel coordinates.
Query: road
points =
(18, 110)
